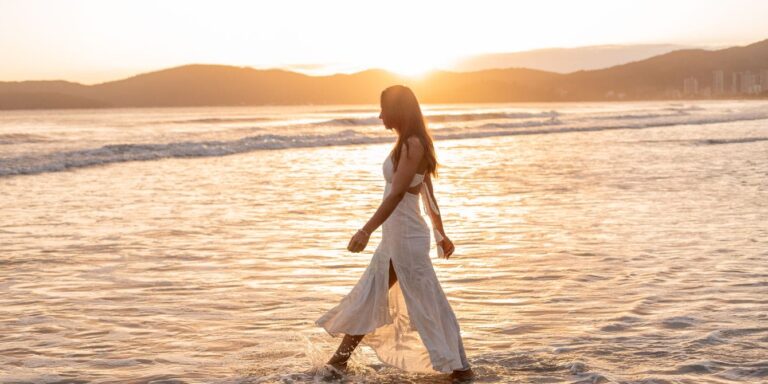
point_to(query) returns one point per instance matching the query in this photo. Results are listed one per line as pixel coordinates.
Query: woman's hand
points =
(358, 242)
(447, 246)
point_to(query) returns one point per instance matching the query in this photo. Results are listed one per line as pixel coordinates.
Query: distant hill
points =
(658, 77)
(565, 60)
(654, 77)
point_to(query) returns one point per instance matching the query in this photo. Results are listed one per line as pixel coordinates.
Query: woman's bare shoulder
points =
(414, 143)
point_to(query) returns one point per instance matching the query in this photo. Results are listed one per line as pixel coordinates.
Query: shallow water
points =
(626, 255)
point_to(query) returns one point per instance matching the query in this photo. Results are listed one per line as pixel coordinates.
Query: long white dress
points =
(411, 326)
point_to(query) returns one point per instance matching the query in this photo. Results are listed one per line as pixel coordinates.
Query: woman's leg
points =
(465, 373)
(347, 346)
(392, 275)
(350, 342)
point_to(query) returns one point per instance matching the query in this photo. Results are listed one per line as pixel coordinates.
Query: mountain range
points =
(657, 77)
(564, 60)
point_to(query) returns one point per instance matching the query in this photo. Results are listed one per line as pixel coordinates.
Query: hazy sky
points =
(97, 40)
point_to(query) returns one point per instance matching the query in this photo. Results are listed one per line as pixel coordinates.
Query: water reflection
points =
(609, 256)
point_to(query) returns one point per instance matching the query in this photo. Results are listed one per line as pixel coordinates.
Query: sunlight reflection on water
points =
(608, 256)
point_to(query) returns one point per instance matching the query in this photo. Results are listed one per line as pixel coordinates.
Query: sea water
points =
(595, 242)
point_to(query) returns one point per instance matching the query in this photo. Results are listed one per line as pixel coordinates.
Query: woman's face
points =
(385, 119)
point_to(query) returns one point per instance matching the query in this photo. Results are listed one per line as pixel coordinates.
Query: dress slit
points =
(389, 278)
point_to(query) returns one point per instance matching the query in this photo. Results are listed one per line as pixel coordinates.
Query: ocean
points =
(595, 242)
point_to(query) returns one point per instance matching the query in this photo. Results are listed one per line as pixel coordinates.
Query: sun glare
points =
(410, 69)
(410, 65)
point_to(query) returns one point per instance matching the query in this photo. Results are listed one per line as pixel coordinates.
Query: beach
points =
(595, 242)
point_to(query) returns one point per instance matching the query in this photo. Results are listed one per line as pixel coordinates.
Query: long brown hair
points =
(401, 104)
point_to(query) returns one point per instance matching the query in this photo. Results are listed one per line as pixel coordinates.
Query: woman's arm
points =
(401, 180)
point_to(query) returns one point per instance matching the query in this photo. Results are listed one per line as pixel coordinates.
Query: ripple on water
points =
(679, 322)
(621, 255)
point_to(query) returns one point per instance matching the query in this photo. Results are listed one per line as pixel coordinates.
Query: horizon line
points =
(290, 67)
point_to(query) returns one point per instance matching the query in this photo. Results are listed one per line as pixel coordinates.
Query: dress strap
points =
(427, 199)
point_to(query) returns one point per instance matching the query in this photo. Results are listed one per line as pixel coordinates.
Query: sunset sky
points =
(94, 41)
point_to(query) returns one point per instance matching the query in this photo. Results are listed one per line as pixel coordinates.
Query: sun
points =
(410, 69)
(408, 65)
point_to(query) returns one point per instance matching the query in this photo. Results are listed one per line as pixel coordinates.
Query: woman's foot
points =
(335, 371)
(462, 376)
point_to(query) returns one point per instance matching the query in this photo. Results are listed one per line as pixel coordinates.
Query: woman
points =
(398, 307)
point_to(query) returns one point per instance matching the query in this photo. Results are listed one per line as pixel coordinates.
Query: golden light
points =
(412, 64)
(409, 68)
(99, 40)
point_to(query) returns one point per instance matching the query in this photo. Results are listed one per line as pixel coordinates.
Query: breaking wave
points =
(115, 153)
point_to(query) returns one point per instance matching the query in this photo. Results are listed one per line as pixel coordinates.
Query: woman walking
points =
(398, 307)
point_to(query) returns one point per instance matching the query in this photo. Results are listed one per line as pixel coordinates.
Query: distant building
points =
(748, 83)
(718, 82)
(690, 86)
(735, 82)
(764, 80)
